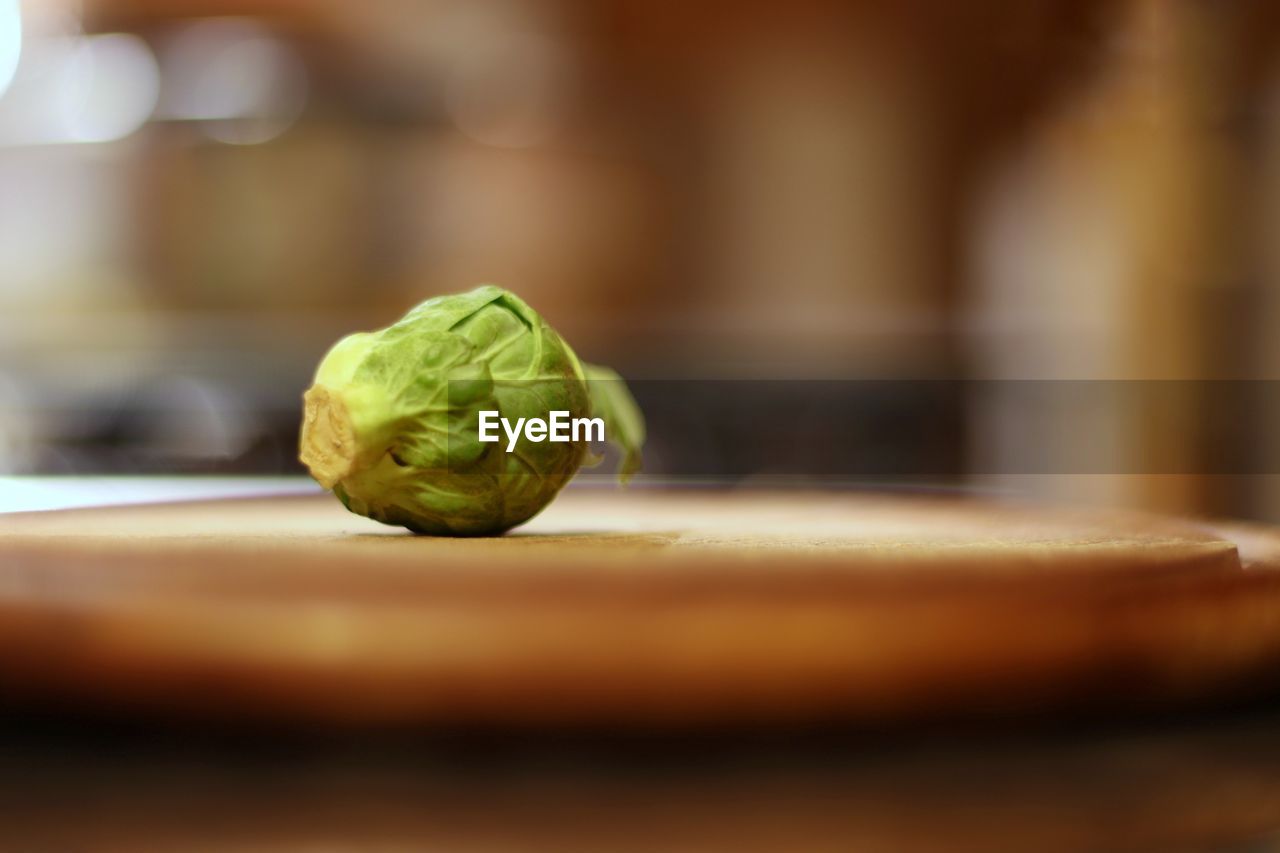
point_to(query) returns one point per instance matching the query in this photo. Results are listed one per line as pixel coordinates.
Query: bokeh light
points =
(109, 88)
(247, 85)
(77, 89)
(510, 91)
(10, 41)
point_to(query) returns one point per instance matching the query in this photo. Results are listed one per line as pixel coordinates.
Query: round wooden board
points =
(642, 607)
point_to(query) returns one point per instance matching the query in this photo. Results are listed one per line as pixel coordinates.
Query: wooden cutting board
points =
(642, 607)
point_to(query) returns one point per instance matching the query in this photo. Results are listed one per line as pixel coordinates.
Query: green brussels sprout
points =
(391, 419)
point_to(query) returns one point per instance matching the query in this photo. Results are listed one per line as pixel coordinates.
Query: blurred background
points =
(197, 197)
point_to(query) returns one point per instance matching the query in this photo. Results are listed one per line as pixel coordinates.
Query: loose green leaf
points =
(623, 422)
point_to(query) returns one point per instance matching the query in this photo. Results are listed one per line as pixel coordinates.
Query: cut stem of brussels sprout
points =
(328, 437)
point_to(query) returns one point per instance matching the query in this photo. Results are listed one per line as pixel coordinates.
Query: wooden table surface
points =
(638, 608)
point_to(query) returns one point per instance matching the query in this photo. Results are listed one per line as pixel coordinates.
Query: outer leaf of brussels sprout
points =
(390, 422)
(623, 422)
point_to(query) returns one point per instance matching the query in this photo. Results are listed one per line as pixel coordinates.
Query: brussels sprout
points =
(391, 420)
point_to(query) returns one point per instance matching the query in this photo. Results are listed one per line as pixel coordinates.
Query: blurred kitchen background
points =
(197, 197)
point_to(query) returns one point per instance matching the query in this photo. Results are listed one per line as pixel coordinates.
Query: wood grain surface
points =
(644, 607)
